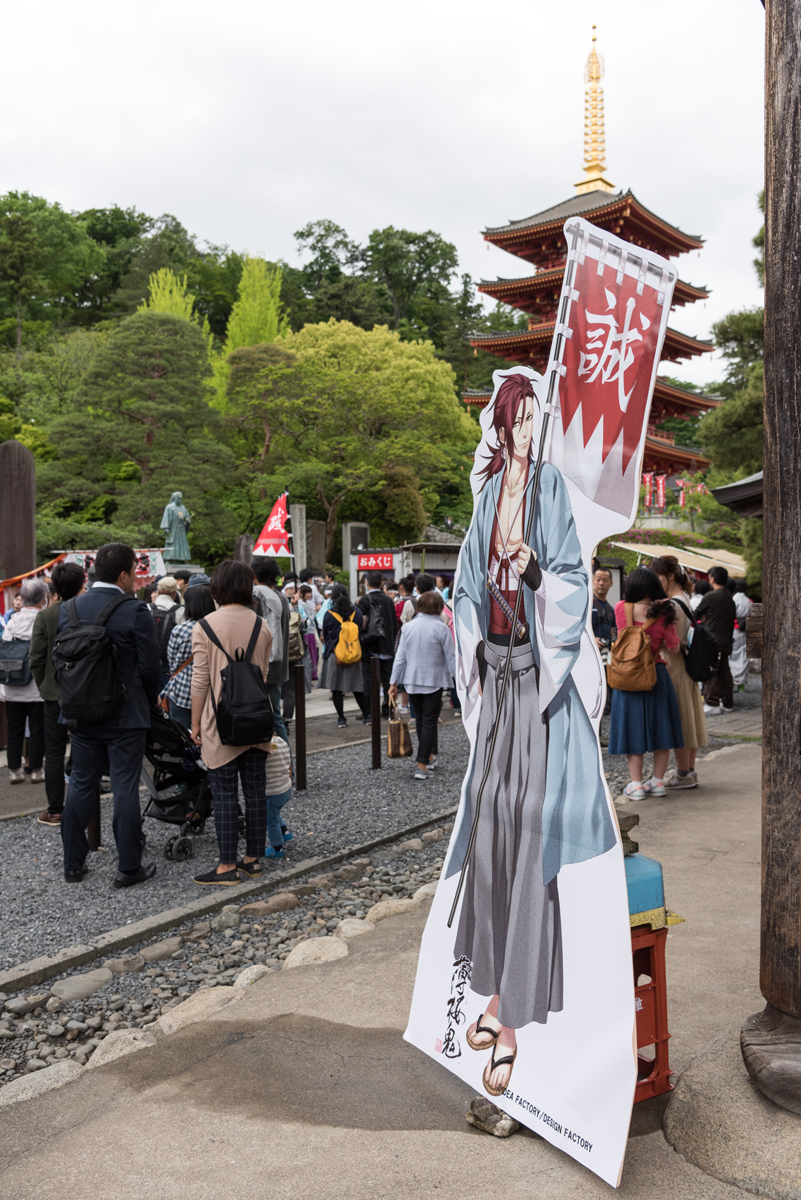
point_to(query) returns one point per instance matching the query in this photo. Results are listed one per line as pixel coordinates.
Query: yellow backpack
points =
(348, 649)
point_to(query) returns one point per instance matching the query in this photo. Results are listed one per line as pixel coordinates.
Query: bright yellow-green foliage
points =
(257, 315)
(169, 294)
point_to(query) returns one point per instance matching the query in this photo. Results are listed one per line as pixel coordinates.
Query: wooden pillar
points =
(17, 510)
(771, 1040)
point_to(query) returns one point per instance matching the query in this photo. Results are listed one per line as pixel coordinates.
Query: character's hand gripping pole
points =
(555, 371)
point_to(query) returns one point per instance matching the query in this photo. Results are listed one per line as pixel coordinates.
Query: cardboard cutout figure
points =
(524, 985)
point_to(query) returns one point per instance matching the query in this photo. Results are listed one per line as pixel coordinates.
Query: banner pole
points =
(554, 373)
(289, 531)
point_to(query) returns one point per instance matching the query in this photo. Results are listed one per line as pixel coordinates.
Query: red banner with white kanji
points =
(273, 539)
(606, 349)
(648, 485)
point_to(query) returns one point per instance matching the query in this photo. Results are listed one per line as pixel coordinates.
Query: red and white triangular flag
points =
(273, 539)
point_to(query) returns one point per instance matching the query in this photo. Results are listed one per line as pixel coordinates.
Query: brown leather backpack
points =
(631, 666)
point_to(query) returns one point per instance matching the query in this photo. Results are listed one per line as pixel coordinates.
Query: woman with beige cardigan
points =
(232, 589)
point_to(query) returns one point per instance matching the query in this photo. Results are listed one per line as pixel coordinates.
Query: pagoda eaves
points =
(539, 239)
(532, 346)
(539, 294)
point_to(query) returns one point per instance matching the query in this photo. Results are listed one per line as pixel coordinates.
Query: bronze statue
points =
(176, 520)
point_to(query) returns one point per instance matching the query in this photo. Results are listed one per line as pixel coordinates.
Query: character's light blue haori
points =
(576, 824)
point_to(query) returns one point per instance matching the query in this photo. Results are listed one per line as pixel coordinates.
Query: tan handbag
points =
(399, 740)
(164, 701)
(631, 666)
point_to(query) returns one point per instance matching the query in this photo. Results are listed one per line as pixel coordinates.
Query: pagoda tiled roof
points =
(681, 344)
(590, 204)
(683, 292)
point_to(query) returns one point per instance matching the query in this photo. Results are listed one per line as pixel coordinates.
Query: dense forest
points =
(135, 359)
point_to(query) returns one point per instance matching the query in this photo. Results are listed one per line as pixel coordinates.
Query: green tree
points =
(759, 244)
(167, 245)
(361, 416)
(139, 427)
(119, 232)
(257, 316)
(740, 336)
(416, 269)
(46, 255)
(732, 434)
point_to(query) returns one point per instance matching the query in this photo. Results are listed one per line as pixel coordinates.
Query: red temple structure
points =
(539, 240)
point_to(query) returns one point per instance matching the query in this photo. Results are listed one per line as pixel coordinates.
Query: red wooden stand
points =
(648, 955)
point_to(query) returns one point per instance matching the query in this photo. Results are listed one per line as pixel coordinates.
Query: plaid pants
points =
(249, 768)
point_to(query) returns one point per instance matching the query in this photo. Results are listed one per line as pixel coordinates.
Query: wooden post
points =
(300, 727)
(771, 1040)
(375, 710)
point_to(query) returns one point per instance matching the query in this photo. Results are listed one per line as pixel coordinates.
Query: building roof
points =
(512, 291)
(699, 560)
(745, 496)
(599, 206)
(506, 342)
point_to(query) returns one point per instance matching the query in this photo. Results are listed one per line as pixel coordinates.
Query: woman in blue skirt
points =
(643, 721)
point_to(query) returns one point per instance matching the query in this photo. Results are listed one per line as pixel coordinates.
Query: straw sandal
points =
(495, 1033)
(507, 1061)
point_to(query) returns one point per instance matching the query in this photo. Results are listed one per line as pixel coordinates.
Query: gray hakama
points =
(510, 926)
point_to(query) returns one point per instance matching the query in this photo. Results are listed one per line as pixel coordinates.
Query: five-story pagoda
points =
(539, 240)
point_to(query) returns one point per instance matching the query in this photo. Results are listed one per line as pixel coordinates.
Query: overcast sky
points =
(248, 119)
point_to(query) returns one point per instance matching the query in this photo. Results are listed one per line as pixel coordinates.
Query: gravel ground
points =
(208, 953)
(346, 804)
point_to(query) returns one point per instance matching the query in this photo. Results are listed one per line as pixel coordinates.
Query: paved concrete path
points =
(305, 1088)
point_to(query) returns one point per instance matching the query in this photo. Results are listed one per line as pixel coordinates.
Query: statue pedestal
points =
(169, 567)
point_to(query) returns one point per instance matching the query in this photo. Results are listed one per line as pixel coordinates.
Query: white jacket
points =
(19, 628)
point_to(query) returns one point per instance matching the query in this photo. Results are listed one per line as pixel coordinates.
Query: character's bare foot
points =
(498, 1071)
(484, 1032)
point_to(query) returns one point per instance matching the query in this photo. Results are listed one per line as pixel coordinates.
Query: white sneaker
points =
(723, 708)
(676, 782)
(652, 788)
(709, 711)
(634, 791)
(17, 776)
(418, 774)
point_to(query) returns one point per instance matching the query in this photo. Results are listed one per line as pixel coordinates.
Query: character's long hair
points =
(514, 389)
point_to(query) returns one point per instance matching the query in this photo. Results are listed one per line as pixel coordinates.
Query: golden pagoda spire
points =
(594, 144)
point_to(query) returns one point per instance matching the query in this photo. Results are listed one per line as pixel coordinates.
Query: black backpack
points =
(85, 666)
(15, 667)
(702, 656)
(164, 621)
(375, 630)
(244, 714)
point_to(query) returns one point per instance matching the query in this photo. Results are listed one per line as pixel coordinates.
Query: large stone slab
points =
(125, 964)
(120, 1043)
(203, 1004)
(351, 927)
(78, 987)
(28, 1086)
(721, 1123)
(391, 908)
(20, 1006)
(161, 950)
(280, 902)
(426, 891)
(316, 950)
(250, 974)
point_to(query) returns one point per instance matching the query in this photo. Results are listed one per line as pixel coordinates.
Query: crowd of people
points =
(670, 713)
(171, 647)
(174, 645)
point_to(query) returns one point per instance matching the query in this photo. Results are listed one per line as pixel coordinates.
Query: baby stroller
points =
(177, 781)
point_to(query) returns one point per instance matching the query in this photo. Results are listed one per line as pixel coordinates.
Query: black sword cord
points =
(569, 276)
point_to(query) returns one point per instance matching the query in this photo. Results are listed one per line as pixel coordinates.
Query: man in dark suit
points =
(384, 649)
(120, 741)
(717, 611)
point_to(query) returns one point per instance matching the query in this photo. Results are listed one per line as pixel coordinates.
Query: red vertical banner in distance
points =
(609, 359)
(661, 480)
(648, 484)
